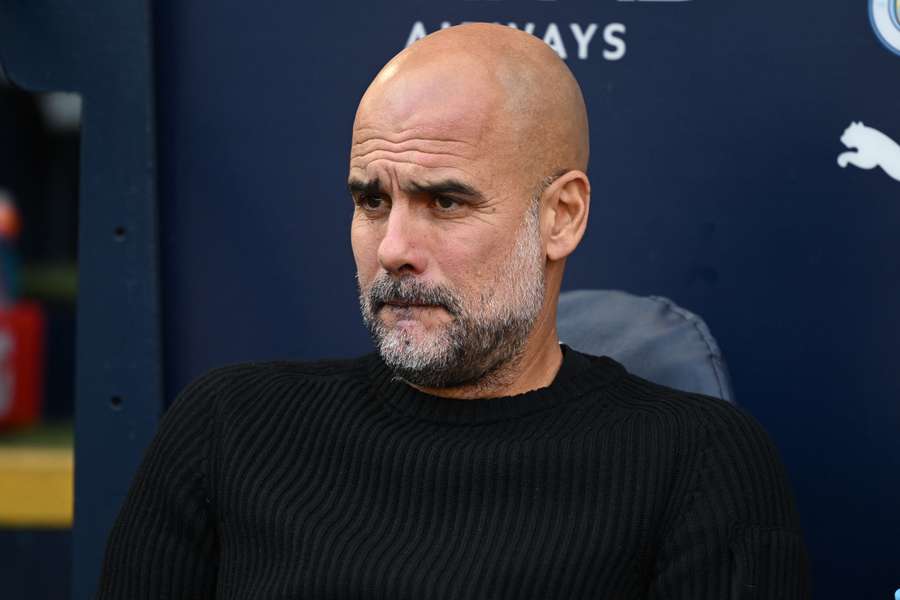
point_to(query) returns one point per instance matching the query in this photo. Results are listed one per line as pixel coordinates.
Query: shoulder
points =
(681, 410)
(704, 432)
(723, 451)
(656, 409)
(267, 371)
(228, 387)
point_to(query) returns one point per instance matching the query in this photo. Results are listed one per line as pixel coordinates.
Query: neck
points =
(534, 367)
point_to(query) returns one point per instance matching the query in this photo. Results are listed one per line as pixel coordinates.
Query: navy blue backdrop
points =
(715, 131)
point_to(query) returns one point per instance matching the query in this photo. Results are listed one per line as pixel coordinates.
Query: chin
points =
(413, 339)
(412, 346)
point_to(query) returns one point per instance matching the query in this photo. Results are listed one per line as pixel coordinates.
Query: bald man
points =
(467, 168)
(471, 456)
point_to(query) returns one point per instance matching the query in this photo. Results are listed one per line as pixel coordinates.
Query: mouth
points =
(401, 313)
(401, 305)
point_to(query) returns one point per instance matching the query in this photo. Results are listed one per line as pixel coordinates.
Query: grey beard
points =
(479, 341)
(469, 349)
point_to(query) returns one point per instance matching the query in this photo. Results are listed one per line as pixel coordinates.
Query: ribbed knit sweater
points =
(296, 480)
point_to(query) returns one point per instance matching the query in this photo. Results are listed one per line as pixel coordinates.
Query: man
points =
(473, 456)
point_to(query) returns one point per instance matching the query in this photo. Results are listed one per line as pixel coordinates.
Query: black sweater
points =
(333, 480)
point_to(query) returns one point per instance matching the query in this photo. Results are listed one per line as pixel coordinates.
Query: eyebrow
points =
(442, 187)
(372, 187)
(435, 188)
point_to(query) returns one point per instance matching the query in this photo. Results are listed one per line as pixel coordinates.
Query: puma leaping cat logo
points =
(873, 149)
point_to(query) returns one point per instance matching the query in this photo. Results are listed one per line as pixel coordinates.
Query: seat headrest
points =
(651, 336)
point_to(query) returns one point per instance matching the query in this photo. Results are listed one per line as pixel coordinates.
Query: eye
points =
(369, 202)
(445, 203)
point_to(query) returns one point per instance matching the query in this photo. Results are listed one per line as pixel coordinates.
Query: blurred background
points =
(39, 173)
(190, 159)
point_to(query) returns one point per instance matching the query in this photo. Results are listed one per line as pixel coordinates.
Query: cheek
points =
(364, 243)
(471, 261)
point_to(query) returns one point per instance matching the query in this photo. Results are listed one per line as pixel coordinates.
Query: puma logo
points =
(872, 149)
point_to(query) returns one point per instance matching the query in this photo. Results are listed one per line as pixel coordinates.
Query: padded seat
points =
(652, 336)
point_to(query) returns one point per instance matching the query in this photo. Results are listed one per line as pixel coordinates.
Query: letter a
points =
(553, 39)
(417, 33)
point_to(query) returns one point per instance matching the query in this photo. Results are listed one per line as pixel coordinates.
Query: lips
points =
(404, 305)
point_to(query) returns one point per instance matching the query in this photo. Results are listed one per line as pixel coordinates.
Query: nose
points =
(402, 249)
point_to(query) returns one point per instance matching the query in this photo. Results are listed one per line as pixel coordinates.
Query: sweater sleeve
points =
(163, 543)
(737, 535)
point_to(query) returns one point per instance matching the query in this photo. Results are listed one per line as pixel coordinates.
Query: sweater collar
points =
(578, 375)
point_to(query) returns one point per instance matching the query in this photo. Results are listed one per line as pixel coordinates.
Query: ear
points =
(564, 213)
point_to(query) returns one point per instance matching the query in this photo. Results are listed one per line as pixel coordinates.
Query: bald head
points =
(451, 143)
(503, 87)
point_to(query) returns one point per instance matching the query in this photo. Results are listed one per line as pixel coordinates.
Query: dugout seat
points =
(652, 336)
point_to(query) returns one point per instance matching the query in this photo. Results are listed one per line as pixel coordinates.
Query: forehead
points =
(441, 94)
(429, 119)
(419, 143)
(448, 122)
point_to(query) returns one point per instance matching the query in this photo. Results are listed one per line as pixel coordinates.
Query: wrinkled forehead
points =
(430, 124)
(424, 146)
(444, 101)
